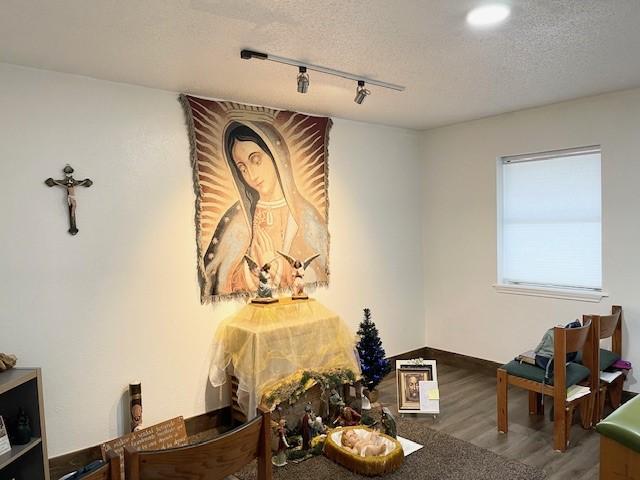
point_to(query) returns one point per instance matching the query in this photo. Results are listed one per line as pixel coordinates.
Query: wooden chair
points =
(109, 471)
(531, 378)
(607, 326)
(211, 460)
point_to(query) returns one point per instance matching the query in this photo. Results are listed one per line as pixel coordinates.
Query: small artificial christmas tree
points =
(373, 363)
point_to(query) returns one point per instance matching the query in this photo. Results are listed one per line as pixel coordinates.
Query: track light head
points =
(249, 54)
(361, 92)
(303, 80)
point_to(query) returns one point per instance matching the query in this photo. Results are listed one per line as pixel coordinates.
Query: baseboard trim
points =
(449, 358)
(417, 353)
(462, 361)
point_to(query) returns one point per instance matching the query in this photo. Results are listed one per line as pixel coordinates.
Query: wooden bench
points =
(210, 460)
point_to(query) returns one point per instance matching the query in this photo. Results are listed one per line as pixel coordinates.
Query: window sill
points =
(549, 292)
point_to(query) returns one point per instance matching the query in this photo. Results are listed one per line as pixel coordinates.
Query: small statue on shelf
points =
(7, 361)
(265, 286)
(389, 423)
(22, 434)
(280, 458)
(299, 268)
(348, 417)
(306, 427)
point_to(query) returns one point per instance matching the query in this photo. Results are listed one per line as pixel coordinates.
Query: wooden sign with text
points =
(171, 433)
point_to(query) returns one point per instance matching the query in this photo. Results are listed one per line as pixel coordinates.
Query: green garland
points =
(292, 391)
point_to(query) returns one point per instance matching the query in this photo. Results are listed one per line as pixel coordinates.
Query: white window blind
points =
(551, 219)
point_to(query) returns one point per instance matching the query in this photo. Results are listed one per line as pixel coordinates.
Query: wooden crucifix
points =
(70, 183)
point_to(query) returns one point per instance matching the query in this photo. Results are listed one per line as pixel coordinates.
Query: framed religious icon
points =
(411, 376)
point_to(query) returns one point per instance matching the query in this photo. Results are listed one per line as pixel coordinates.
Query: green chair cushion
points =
(607, 358)
(623, 425)
(575, 372)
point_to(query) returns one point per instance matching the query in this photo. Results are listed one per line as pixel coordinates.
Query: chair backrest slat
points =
(576, 338)
(608, 324)
(616, 338)
(581, 339)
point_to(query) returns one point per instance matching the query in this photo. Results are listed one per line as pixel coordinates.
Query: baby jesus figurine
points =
(368, 445)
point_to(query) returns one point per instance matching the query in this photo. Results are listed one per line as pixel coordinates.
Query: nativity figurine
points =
(368, 445)
(299, 267)
(335, 404)
(319, 427)
(306, 427)
(280, 458)
(388, 423)
(265, 284)
(348, 417)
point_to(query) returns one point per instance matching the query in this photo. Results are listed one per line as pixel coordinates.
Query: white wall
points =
(120, 301)
(463, 312)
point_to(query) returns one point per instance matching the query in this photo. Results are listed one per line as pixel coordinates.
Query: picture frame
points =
(409, 374)
(5, 445)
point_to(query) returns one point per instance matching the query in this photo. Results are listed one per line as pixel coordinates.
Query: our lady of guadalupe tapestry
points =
(261, 179)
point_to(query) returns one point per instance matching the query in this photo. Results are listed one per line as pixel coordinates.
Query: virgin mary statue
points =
(269, 216)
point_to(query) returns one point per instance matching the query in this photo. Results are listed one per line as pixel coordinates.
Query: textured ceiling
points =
(548, 50)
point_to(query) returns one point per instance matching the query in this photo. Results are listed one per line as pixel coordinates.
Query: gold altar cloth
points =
(268, 342)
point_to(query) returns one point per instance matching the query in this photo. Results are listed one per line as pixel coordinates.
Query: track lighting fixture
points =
(303, 76)
(303, 80)
(361, 92)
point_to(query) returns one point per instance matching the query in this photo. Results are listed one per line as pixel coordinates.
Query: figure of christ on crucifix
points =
(70, 183)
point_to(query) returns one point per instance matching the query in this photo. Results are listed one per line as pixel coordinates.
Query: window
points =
(549, 221)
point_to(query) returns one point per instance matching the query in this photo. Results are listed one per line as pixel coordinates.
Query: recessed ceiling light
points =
(488, 15)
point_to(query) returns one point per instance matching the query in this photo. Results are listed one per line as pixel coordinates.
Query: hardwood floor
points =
(468, 412)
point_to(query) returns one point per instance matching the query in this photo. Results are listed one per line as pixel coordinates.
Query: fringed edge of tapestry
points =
(326, 195)
(193, 156)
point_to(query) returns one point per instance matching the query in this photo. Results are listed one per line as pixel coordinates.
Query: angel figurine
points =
(265, 287)
(298, 275)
